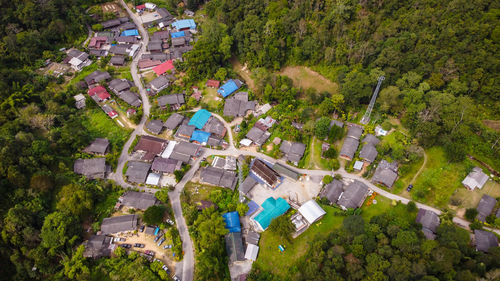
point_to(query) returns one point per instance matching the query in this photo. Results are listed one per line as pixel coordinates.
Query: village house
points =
(258, 136)
(351, 143)
(127, 40)
(96, 77)
(429, 221)
(119, 85)
(185, 132)
(485, 207)
(332, 191)
(155, 46)
(248, 184)
(138, 200)
(79, 101)
(117, 60)
(119, 224)
(219, 177)
(294, 151)
(99, 93)
(238, 105)
(285, 171)
(109, 111)
(183, 151)
(265, 174)
(175, 101)
(159, 83)
(77, 59)
(165, 165)
(353, 196)
(214, 126)
(386, 173)
(164, 67)
(173, 121)
(137, 171)
(155, 126)
(229, 87)
(337, 123)
(99, 147)
(150, 147)
(130, 97)
(212, 84)
(98, 42)
(234, 247)
(94, 168)
(368, 151)
(98, 246)
(475, 179)
(485, 240)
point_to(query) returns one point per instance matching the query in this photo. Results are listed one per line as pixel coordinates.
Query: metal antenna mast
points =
(366, 117)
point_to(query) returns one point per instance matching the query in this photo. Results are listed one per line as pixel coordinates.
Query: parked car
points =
(158, 237)
(409, 187)
(169, 246)
(143, 227)
(118, 239)
(139, 245)
(161, 241)
(169, 221)
(150, 253)
(176, 278)
(126, 246)
(164, 267)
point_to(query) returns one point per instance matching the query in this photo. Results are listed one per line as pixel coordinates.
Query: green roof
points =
(273, 208)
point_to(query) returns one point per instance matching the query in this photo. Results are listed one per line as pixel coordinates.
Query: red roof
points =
(112, 114)
(140, 7)
(213, 83)
(100, 91)
(164, 67)
(131, 111)
(96, 42)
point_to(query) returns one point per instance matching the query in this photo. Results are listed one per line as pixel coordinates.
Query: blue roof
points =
(252, 207)
(228, 88)
(273, 208)
(200, 118)
(177, 34)
(232, 221)
(186, 23)
(200, 136)
(130, 32)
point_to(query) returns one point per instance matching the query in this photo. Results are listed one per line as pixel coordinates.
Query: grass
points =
(84, 72)
(314, 160)
(279, 263)
(210, 97)
(470, 199)
(148, 77)
(305, 78)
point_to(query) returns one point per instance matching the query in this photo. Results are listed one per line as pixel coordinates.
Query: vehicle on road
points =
(169, 221)
(150, 253)
(164, 267)
(176, 278)
(158, 237)
(118, 239)
(161, 241)
(409, 187)
(169, 246)
(142, 228)
(139, 245)
(126, 246)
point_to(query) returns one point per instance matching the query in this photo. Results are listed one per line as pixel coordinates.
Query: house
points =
(164, 14)
(238, 105)
(119, 50)
(109, 111)
(159, 83)
(371, 139)
(183, 151)
(214, 126)
(273, 208)
(138, 200)
(485, 207)
(144, 64)
(212, 84)
(349, 148)
(332, 191)
(358, 165)
(110, 23)
(98, 246)
(178, 34)
(117, 60)
(140, 8)
(185, 24)
(265, 123)
(77, 59)
(175, 101)
(96, 77)
(294, 151)
(337, 123)
(173, 121)
(200, 137)
(354, 132)
(219, 177)
(94, 168)
(130, 97)
(164, 67)
(119, 224)
(153, 179)
(98, 53)
(130, 32)
(353, 196)
(119, 85)
(127, 25)
(150, 6)
(200, 118)
(137, 171)
(228, 163)
(185, 132)
(100, 93)
(247, 185)
(161, 35)
(189, 13)
(196, 93)
(99, 146)
(155, 46)
(155, 126)
(98, 42)
(386, 173)
(368, 153)
(379, 131)
(285, 171)
(252, 237)
(311, 211)
(178, 42)
(234, 247)
(229, 87)
(265, 174)
(150, 146)
(131, 112)
(252, 252)
(232, 221)
(214, 141)
(263, 109)
(429, 221)
(475, 179)
(127, 39)
(165, 165)
(79, 101)
(258, 136)
(485, 240)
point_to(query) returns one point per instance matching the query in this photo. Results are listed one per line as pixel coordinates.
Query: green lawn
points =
(314, 159)
(279, 263)
(80, 75)
(210, 97)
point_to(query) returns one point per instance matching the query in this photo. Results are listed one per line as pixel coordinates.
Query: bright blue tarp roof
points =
(177, 34)
(273, 208)
(228, 88)
(186, 23)
(130, 32)
(200, 118)
(232, 220)
(200, 136)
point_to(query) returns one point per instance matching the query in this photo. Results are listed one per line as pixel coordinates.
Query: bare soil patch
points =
(493, 124)
(306, 78)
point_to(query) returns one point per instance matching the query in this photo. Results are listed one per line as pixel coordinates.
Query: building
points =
(371, 139)
(232, 221)
(349, 148)
(161, 35)
(358, 165)
(215, 126)
(238, 105)
(219, 177)
(485, 207)
(79, 101)
(150, 146)
(252, 252)
(164, 67)
(429, 221)
(119, 224)
(77, 59)
(353, 196)
(109, 111)
(183, 151)
(247, 185)
(155, 126)
(311, 211)
(354, 132)
(475, 179)
(173, 121)
(285, 171)
(138, 200)
(212, 84)
(294, 151)
(155, 46)
(258, 136)
(120, 49)
(159, 83)
(96, 77)
(117, 60)
(98, 42)
(144, 64)
(273, 208)
(234, 247)
(175, 101)
(337, 123)
(200, 118)
(99, 93)
(127, 39)
(368, 153)
(98, 246)
(265, 174)
(484, 240)
(386, 173)
(110, 23)
(252, 237)
(185, 132)
(99, 146)
(200, 137)
(130, 97)
(94, 168)
(332, 191)
(229, 87)
(119, 85)
(137, 171)
(165, 165)
(130, 33)
(185, 24)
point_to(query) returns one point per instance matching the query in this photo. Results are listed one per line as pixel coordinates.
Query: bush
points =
(470, 214)
(330, 153)
(154, 215)
(327, 179)
(411, 207)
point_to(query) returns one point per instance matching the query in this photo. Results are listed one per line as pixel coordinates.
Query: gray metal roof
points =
(285, 171)
(161, 35)
(130, 98)
(183, 151)
(119, 224)
(485, 207)
(238, 105)
(185, 131)
(354, 195)
(234, 247)
(475, 179)
(247, 185)
(165, 165)
(368, 152)
(349, 147)
(428, 219)
(98, 246)
(219, 177)
(294, 151)
(118, 85)
(386, 173)
(159, 83)
(258, 136)
(179, 41)
(137, 171)
(371, 139)
(96, 77)
(127, 39)
(215, 126)
(94, 168)
(171, 100)
(354, 132)
(485, 240)
(138, 200)
(332, 191)
(173, 121)
(253, 238)
(98, 146)
(119, 49)
(155, 126)
(155, 45)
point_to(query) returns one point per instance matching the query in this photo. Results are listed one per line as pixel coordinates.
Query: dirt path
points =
(306, 78)
(419, 170)
(244, 72)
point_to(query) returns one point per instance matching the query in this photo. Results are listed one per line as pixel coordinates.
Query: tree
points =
(162, 195)
(354, 224)
(471, 214)
(330, 153)
(97, 27)
(322, 127)
(327, 179)
(77, 268)
(59, 229)
(242, 209)
(76, 200)
(390, 100)
(154, 215)
(282, 226)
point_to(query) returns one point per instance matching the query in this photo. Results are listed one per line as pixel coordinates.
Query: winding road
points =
(185, 268)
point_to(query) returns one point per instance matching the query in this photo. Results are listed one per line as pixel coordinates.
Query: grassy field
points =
(314, 160)
(80, 75)
(211, 98)
(470, 199)
(279, 263)
(305, 78)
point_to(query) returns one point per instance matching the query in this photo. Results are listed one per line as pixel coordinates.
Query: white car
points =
(168, 246)
(118, 239)
(169, 221)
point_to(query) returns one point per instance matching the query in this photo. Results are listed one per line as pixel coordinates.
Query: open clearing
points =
(244, 73)
(493, 124)
(305, 78)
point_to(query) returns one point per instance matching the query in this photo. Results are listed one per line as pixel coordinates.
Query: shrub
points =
(470, 214)
(327, 179)
(154, 215)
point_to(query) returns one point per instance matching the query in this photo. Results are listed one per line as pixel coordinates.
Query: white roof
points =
(311, 211)
(265, 108)
(153, 179)
(168, 150)
(79, 97)
(161, 25)
(358, 165)
(133, 49)
(252, 252)
(75, 61)
(379, 131)
(150, 6)
(245, 142)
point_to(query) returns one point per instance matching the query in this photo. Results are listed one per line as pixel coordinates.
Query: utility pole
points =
(366, 117)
